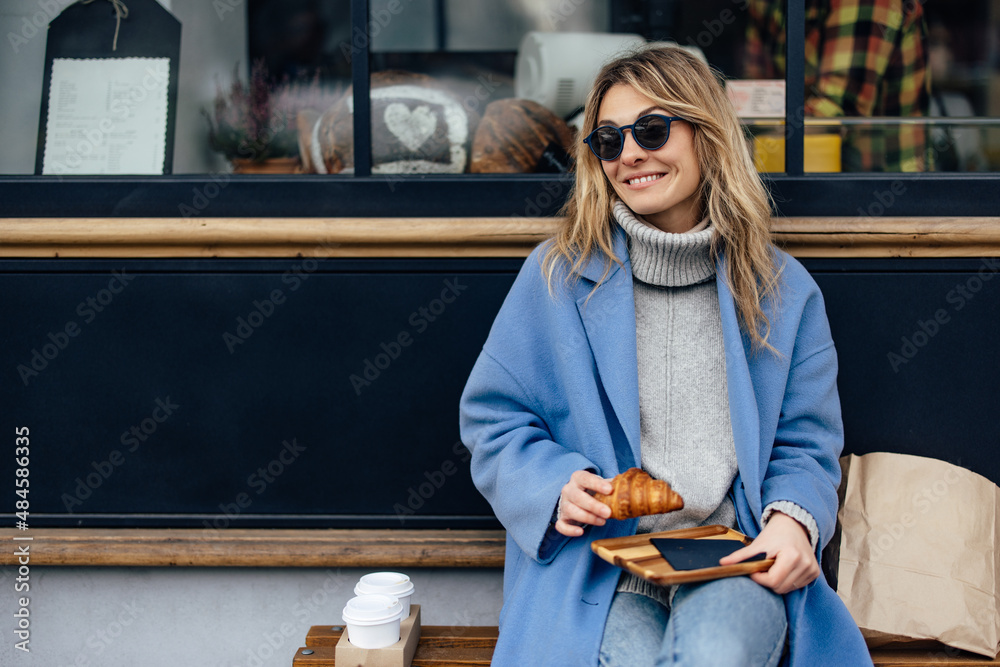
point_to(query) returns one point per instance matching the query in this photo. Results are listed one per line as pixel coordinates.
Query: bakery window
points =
(457, 107)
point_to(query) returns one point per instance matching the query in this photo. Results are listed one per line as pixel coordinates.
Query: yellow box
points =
(399, 654)
(822, 153)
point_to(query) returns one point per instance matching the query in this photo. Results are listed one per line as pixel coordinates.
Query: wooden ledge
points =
(451, 237)
(272, 237)
(888, 237)
(152, 547)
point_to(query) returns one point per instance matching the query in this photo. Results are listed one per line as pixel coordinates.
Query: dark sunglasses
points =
(650, 132)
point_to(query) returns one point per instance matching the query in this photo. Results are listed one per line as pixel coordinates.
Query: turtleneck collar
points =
(664, 259)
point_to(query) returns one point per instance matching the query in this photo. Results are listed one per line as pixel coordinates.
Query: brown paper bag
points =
(918, 552)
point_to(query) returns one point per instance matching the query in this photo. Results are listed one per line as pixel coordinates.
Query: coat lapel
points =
(742, 400)
(608, 316)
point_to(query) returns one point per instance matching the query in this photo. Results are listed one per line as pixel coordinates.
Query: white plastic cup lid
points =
(372, 609)
(385, 583)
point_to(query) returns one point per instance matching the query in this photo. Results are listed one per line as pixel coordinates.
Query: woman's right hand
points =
(577, 507)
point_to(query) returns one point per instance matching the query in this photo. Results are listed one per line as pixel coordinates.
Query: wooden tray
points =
(638, 555)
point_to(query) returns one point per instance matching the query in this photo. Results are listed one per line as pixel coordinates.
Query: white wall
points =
(213, 41)
(22, 64)
(209, 617)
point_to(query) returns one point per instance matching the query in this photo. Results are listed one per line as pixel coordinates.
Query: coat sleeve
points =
(804, 462)
(515, 463)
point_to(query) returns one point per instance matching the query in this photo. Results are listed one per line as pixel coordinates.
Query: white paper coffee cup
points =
(396, 584)
(373, 620)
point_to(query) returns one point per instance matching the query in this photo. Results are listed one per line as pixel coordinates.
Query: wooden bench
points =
(439, 645)
(464, 646)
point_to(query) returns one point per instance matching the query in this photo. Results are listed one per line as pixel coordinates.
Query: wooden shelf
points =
(154, 547)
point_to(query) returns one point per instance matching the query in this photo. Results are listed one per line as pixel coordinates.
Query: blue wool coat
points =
(556, 390)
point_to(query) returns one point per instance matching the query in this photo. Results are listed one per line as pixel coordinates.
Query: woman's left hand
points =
(786, 541)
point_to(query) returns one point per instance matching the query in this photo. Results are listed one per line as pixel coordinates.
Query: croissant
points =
(635, 493)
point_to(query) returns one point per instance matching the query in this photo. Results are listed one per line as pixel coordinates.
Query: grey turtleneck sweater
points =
(685, 433)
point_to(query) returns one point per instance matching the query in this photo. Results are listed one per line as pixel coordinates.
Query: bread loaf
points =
(512, 136)
(417, 127)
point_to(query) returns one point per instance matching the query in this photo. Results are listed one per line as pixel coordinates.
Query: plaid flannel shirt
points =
(862, 58)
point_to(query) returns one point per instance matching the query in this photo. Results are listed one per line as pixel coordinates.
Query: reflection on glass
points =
(448, 102)
(822, 149)
(488, 25)
(953, 143)
(519, 71)
(862, 58)
(903, 85)
(305, 48)
(965, 83)
(256, 125)
(920, 71)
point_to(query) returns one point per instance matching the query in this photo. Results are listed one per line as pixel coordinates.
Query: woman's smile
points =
(641, 181)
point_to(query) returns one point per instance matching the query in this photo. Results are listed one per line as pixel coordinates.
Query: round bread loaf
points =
(513, 134)
(417, 127)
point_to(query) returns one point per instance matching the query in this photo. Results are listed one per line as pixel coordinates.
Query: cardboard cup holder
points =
(399, 654)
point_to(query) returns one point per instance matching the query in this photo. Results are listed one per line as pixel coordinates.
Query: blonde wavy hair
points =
(732, 194)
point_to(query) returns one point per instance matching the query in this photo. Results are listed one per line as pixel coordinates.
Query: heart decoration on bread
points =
(634, 493)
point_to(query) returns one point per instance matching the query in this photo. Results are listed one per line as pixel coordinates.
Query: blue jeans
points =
(729, 622)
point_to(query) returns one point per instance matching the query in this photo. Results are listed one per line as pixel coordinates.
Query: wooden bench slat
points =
(325, 635)
(442, 645)
(321, 656)
(472, 636)
(896, 657)
(324, 657)
(440, 656)
(426, 656)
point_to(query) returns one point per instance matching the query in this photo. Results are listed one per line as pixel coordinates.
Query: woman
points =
(661, 329)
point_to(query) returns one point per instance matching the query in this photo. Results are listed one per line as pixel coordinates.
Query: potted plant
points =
(254, 124)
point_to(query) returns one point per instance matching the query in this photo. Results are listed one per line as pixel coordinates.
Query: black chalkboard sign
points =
(303, 392)
(88, 31)
(253, 393)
